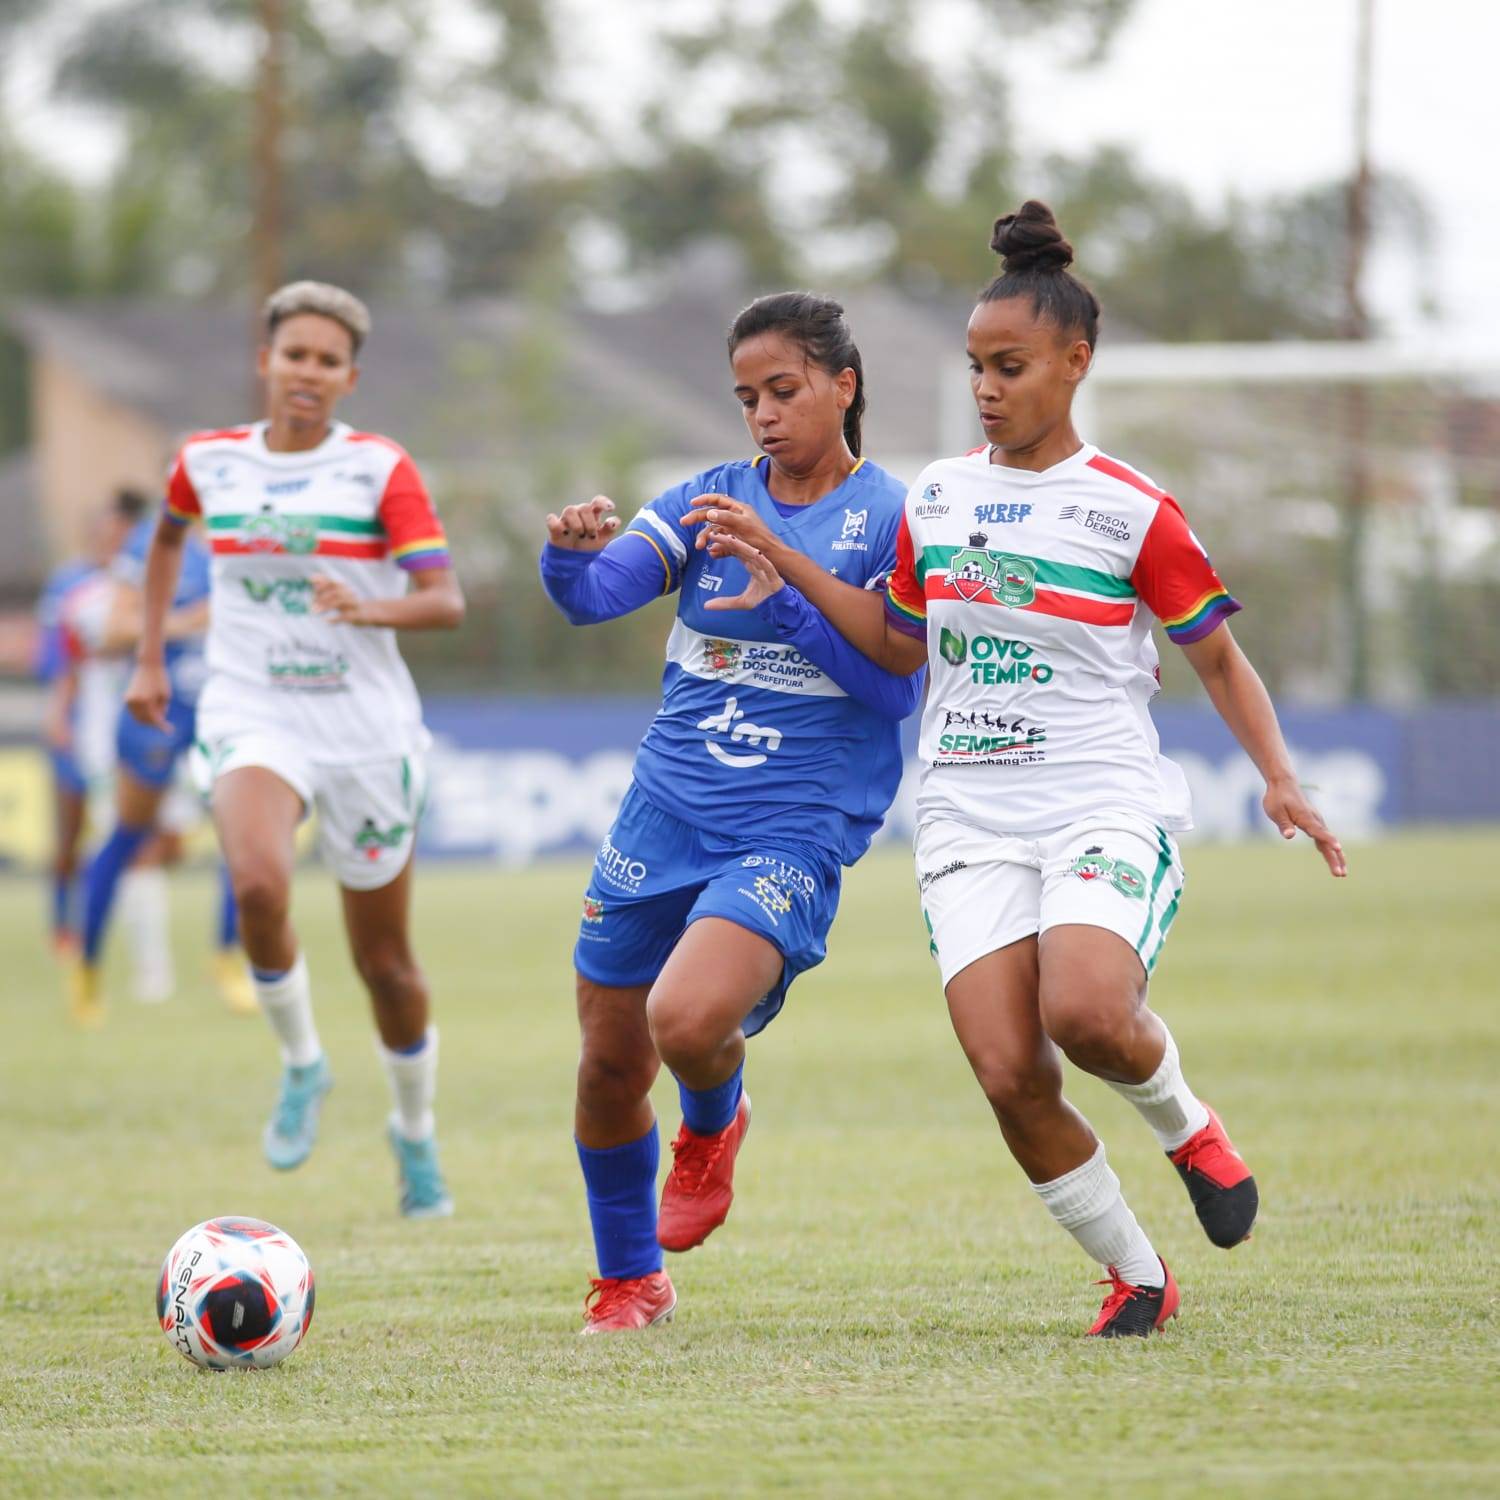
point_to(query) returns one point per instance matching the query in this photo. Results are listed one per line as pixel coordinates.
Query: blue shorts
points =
(66, 774)
(147, 753)
(654, 875)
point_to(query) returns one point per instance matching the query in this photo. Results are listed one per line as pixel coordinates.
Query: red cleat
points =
(613, 1306)
(1135, 1311)
(696, 1196)
(1219, 1183)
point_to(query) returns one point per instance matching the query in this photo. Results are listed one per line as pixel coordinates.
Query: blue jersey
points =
(751, 734)
(52, 658)
(186, 668)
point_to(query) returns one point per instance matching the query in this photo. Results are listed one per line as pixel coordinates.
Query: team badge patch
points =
(1094, 864)
(975, 571)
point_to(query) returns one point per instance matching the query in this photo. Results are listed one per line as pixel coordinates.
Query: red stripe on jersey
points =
(1126, 476)
(1049, 602)
(366, 551)
(982, 448)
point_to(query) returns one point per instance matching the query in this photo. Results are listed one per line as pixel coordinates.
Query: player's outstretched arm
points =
(149, 690)
(1235, 688)
(591, 581)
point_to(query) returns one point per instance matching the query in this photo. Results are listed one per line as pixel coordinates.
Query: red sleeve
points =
(1177, 581)
(905, 597)
(415, 534)
(182, 499)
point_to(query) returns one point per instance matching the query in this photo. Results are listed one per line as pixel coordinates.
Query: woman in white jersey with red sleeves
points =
(1030, 573)
(325, 543)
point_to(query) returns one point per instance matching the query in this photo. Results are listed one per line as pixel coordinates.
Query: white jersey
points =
(353, 509)
(1036, 594)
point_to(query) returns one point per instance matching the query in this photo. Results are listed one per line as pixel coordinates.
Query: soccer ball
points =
(235, 1294)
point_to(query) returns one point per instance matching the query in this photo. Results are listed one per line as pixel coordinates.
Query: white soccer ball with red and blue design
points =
(235, 1294)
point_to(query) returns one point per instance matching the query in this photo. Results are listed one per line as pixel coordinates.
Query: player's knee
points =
(613, 1078)
(682, 1033)
(1090, 1030)
(390, 974)
(262, 894)
(1015, 1089)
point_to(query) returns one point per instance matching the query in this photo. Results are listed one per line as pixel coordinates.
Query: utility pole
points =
(266, 270)
(1357, 480)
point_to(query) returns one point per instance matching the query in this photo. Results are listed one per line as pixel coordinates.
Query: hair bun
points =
(1029, 240)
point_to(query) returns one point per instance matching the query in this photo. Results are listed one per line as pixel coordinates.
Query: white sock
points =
(413, 1078)
(1172, 1110)
(287, 1003)
(1087, 1202)
(143, 915)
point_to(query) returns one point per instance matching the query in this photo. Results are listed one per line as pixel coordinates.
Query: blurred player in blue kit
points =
(147, 759)
(53, 665)
(769, 766)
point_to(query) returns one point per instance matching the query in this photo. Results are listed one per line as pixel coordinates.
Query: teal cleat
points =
(424, 1194)
(293, 1126)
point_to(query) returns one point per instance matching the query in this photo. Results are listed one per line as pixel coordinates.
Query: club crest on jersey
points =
(267, 532)
(975, 571)
(854, 524)
(720, 656)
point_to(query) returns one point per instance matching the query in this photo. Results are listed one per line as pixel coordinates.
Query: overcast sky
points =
(1259, 95)
(1255, 95)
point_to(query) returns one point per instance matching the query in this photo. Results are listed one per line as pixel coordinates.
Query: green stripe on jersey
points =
(1048, 574)
(347, 524)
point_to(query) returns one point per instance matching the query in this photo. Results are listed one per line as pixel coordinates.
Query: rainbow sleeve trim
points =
(906, 618)
(425, 552)
(175, 516)
(1203, 618)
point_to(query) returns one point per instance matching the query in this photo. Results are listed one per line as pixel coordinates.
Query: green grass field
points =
(888, 1310)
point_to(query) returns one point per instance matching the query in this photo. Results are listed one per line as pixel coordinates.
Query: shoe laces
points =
(695, 1156)
(607, 1295)
(1204, 1152)
(1121, 1293)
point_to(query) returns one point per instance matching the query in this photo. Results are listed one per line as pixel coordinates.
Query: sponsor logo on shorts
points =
(618, 869)
(992, 660)
(776, 886)
(593, 911)
(931, 877)
(1094, 864)
(1114, 527)
(372, 841)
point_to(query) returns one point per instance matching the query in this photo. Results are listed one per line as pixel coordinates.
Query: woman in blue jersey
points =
(691, 935)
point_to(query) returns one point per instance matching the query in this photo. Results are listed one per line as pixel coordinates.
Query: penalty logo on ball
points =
(235, 1293)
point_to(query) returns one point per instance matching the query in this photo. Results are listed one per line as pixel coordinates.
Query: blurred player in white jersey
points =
(1029, 575)
(325, 543)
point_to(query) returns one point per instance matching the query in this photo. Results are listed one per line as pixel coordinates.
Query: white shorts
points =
(367, 813)
(983, 891)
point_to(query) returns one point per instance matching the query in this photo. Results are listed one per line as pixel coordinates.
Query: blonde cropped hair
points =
(317, 297)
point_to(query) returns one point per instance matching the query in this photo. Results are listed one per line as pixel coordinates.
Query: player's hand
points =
(764, 579)
(148, 694)
(338, 601)
(720, 514)
(1289, 810)
(584, 528)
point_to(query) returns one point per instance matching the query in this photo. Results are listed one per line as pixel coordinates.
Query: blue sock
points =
(62, 904)
(100, 881)
(269, 976)
(708, 1111)
(228, 911)
(621, 1187)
